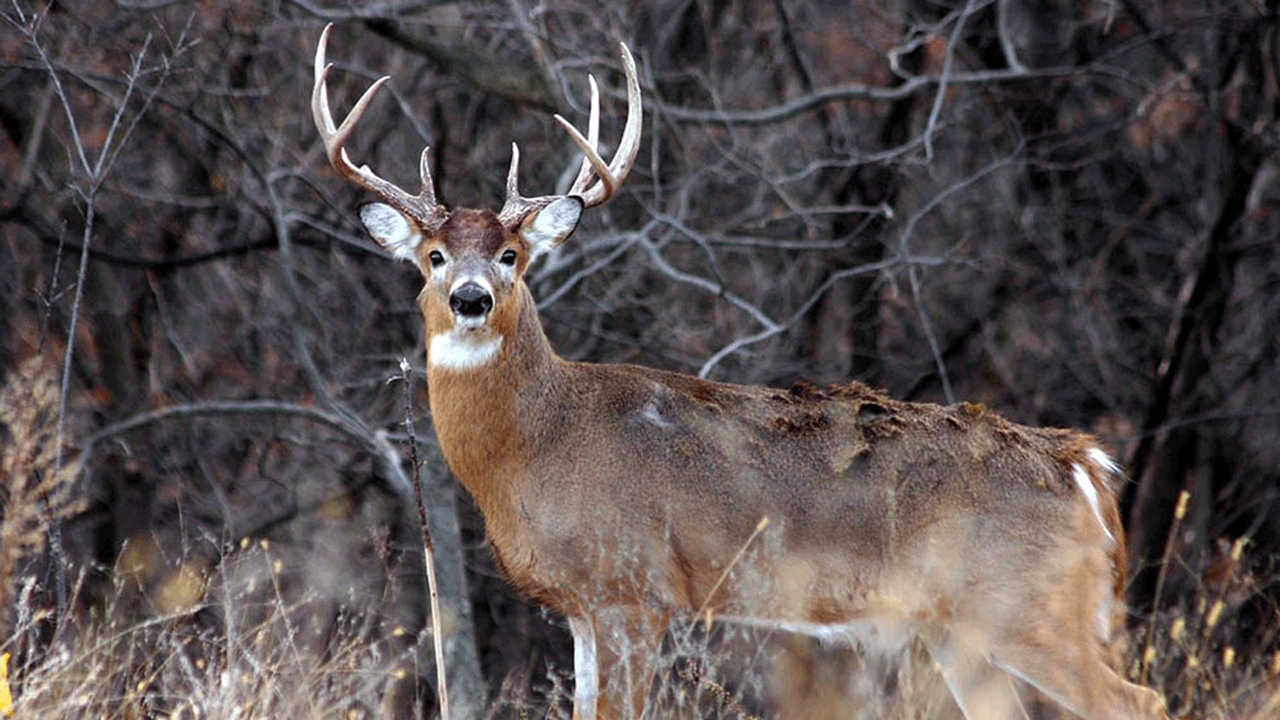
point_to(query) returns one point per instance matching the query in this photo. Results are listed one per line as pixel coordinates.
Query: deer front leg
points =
(586, 669)
(983, 691)
(615, 654)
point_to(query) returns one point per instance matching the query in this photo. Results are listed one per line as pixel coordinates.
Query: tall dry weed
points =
(34, 490)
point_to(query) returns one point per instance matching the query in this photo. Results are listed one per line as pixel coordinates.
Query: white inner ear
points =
(392, 230)
(550, 226)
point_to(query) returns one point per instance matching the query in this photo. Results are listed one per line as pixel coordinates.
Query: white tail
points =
(623, 496)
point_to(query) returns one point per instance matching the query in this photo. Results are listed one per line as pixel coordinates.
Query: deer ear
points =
(392, 230)
(550, 226)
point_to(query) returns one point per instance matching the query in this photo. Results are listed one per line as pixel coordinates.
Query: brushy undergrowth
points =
(264, 665)
(186, 667)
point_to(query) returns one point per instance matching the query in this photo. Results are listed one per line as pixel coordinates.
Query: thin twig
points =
(590, 270)
(706, 602)
(831, 281)
(284, 245)
(428, 547)
(913, 278)
(904, 250)
(706, 285)
(936, 111)
(1006, 37)
(52, 295)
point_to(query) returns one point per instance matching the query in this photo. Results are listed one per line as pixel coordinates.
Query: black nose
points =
(471, 300)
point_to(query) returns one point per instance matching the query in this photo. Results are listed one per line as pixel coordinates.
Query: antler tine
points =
(421, 207)
(513, 173)
(515, 207)
(593, 138)
(612, 175)
(629, 146)
(591, 158)
(428, 190)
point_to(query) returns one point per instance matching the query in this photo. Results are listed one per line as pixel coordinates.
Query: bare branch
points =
(941, 94)
(95, 174)
(428, 547)
(855, 91)
(212, 408)
(628, 241)
(697, 281)
(807, 305)
(477, 66)
(1006, 37)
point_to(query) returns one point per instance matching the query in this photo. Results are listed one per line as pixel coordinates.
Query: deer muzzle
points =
(471, 301)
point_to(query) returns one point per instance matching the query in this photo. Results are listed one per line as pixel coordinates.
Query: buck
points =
(625, 497)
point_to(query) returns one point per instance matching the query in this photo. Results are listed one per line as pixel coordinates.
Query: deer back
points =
(636, 479)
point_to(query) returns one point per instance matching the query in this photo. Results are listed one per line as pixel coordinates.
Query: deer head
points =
(474, 260)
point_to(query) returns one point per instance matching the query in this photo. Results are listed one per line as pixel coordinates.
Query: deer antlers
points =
(610, 175)
(423, 207)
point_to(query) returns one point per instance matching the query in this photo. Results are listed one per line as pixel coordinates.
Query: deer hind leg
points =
(982, 691)
(615, 655)
(1069, 669)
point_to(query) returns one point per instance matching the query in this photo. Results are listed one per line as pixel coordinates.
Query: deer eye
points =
(436, 257)
(508, 258)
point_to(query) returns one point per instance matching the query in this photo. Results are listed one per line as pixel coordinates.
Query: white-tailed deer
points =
(622, 496)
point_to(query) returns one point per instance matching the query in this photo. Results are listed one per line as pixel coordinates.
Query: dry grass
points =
(173, 668)
(241, 651)
(1212, 653)
(177, 667)
(1214, 647)
(243, 657)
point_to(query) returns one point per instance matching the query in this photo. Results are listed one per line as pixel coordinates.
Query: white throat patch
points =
(459, 349)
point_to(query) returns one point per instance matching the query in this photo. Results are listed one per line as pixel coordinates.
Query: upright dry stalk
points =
(428, 548)
(706, 602)
(1149, 652)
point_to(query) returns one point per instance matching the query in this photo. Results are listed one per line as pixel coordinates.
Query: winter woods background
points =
(1064, 210)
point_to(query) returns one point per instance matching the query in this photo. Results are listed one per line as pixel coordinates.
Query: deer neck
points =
(483, 414)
